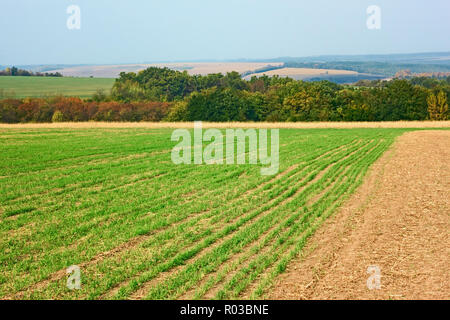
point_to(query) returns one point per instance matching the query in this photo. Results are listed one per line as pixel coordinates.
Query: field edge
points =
(256, 125)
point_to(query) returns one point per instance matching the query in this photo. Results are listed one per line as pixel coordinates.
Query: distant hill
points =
(380, 65)
(40, 67)
(367, 66)
(427, 58)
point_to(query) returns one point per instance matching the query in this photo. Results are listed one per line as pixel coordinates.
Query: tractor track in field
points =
(398, 220)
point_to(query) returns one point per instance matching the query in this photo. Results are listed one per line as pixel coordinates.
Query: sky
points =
(137, 31)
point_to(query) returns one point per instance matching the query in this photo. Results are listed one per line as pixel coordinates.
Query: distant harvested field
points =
(201, 68)
(299, 73)
(281, 125)
(311, 74)
(21, 87)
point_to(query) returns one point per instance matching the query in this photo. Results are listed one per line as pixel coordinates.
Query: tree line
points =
(161, 94)
(61, 109)
(25, 73)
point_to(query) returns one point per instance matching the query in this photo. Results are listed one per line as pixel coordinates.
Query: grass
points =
(22, 87)
(111, 201)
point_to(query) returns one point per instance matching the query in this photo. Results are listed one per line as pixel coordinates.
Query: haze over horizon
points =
(115, 32)
(243, 59)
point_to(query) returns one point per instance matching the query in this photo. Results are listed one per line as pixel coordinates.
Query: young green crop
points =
(112, 202)
(22, 87)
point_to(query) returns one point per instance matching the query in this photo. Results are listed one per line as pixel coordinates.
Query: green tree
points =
(178, 112)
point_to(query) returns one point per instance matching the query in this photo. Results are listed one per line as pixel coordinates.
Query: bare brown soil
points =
(202, 68)
(302, 72)
(262, 125)
(398, 220)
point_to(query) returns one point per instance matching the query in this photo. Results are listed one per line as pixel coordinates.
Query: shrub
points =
(57, 116)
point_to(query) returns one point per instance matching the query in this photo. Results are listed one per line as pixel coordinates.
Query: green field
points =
(22, 87)
(140, 227)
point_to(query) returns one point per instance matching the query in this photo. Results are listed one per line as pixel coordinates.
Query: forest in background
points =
(16, 72)
(161, 94)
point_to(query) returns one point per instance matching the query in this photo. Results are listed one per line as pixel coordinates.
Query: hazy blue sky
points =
(129, 31)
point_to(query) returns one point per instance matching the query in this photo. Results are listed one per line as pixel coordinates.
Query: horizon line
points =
(273, 59)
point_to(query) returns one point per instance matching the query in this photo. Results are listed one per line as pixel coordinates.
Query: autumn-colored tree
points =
(57, 116)
(437, 106)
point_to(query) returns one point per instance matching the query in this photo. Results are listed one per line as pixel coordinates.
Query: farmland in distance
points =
(22, 87)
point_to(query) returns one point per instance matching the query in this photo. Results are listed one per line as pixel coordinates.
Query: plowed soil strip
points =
(397, 220)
